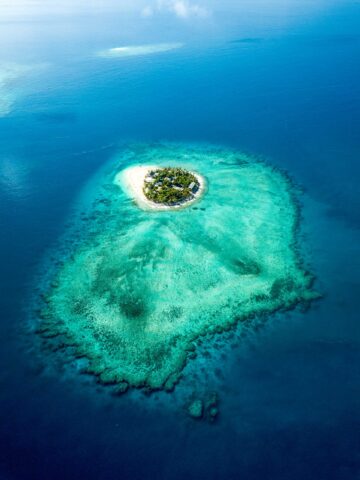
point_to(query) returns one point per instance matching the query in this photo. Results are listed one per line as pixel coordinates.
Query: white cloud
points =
(181, 8)
(184, 9)
(9, 75)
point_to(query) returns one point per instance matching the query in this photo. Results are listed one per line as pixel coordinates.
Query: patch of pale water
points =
(12, 85)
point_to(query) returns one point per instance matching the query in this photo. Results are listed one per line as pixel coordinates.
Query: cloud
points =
(184, 9)
(181, 8)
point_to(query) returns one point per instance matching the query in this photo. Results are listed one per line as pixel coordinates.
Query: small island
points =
(170, 186)
(161, 188)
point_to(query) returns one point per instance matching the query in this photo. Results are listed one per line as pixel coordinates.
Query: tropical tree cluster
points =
(170, 185)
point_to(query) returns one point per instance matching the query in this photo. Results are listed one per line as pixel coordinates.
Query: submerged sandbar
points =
(135, 295)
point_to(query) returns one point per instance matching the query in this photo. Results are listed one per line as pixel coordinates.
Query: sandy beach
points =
(131, 180)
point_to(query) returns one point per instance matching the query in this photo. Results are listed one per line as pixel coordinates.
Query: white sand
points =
(132, 179)
(135, 50)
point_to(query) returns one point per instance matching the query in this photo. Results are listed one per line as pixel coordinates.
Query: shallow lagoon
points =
(134, 298)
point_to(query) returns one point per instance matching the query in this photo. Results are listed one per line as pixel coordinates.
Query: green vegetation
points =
(170, 186)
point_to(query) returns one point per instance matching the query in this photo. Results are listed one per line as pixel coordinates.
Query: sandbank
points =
(135, 50)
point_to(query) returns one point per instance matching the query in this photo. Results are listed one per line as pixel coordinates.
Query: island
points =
(139, 287)
(161, 188)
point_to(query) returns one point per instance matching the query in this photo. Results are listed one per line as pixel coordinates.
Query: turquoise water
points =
(143, 286)
(281, 84)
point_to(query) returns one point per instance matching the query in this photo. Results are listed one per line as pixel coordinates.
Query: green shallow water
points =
(138, 292)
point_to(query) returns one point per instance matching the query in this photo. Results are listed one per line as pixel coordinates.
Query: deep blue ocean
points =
(284, 87)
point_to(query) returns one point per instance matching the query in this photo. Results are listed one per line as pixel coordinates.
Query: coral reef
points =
(140, 288)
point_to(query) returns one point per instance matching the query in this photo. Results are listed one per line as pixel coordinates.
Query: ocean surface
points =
(285, 92)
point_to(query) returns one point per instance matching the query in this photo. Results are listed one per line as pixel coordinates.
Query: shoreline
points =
(132, 180)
